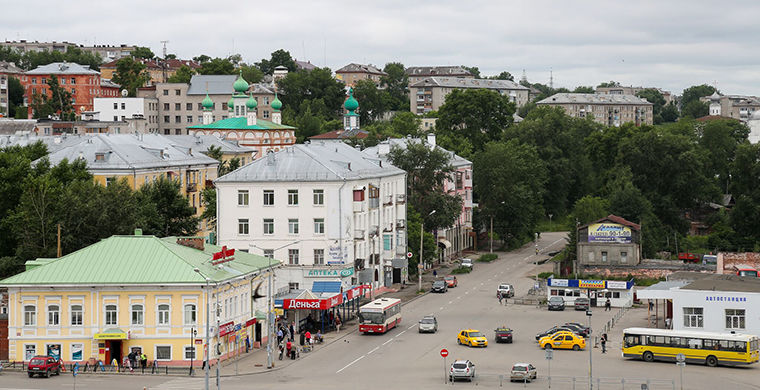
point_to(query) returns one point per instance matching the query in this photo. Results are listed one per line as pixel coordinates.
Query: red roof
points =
(616, 219)
(342, 134)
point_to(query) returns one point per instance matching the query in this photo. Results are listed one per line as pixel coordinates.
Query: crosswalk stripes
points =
(181, 384)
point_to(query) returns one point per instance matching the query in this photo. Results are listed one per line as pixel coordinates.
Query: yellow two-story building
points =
(139, 293)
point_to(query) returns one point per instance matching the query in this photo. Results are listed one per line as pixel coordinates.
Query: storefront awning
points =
(111, 334)
(444, 243)
(260, 315)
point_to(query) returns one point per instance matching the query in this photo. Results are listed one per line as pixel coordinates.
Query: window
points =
(30, 351)
(177, 92)
(163, 352)
(319, 226)
(177, 107)
(292, 286)
(293, 197)
(269, 253)
(735, 318)
(693, 317)
(123, 106)
(30, 315)
(293, 226)
(189, 318)
(190, 352)
(76, 315)
(242, 197)
(268, 226)
(177, 119)
(166, 106)
(268, 197)
(293, 256)
(358, 195)
(623, 257)
(189, 106)
(163, 314)
(111, 315)
(76, 352)
(387, 242)
(189, 119)
(137, 314)
(166, 119)
(116, 106)
(243, 226)
(604, 257)
(319, 197)
(54, 315)
(319, 256)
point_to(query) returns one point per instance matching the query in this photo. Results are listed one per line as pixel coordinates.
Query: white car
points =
(522, 372)
(507, 291)
(428, 324)
(462, 369)
(467, 263)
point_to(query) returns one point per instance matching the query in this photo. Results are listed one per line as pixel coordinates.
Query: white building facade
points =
(326, 210)
(126, 108)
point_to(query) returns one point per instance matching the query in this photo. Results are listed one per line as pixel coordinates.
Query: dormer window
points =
(100, 156)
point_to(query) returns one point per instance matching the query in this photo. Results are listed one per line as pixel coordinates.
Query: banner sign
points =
(558, 282)
(617, 284)
(591, 284)
(609, 232)
(226, 329)
(328, 272)
(223, 256)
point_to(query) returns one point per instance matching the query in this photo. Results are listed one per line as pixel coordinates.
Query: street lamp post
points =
(590, 366)
(551, 227)
(491, 235)
(422, 235)
(193, 333)
(208, 346)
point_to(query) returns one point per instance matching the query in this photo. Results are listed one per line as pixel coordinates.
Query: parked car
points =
(581, 303)
(462, 369)
(578, 328)
(451, 280)
(440, 286)
(563, 340)
(552, 331)
(522, 372)
(465, 262)
(472, 337)
(556, 303)
(43, 366)
(503, 334)
(428, 324)
(506, 290)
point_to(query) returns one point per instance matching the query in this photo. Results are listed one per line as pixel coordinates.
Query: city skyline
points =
(670, 45)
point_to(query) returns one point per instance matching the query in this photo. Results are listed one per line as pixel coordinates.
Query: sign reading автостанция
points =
(609, 232)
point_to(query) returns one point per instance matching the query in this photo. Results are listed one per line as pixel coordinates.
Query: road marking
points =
(441, 308)
(466, 292)
(376, 348)
(411, 327)
(402, 332)
(387, 341)
(482, 283)
(450, 302)
(349, 364)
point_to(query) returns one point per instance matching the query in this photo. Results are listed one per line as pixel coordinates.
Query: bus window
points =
(695, 343)
(632, 340)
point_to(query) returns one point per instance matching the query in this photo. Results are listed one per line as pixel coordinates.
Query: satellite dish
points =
(124, 93)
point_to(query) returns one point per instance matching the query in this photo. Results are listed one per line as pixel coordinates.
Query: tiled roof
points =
(241, 124)
(130, 260)
(360, 68)
(62, 68)
(342, 134)
(593, 98)
(315, 161)
(456, 82)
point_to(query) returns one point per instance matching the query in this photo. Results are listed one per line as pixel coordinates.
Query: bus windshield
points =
(371, 318)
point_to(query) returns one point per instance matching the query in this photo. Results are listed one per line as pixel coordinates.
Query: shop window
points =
(30, 351)
(30, 315)
(163, 352)
(76, 352)
(190, 314)
(54, 315)
(190, 353)
(616, 294)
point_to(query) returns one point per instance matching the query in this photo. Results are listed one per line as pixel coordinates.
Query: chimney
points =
(191, 242)
(138, 232)
(383, 148)
(431, 140)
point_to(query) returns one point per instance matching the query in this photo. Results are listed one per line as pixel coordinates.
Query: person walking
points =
(435, 274)
(289, 347)
(607, 305)
(279, 336)
(308, 337)
(292, 331)
(498, 295)
(604, 343)
(143, 360)
(337, 324)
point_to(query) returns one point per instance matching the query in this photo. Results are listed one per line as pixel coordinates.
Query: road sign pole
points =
(444, 353)
(444, 373)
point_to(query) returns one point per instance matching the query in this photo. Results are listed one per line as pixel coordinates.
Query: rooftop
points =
(360, 68)
(437, 71)
(593, 98)
(201, 143)
(615, 219)
(220, 84)
(304, 65)
(137, 260)
(241, 123)
(734, 283)
(62, 68)
(456, 82)
(10, 68)
(374, 151)
(342, 134)
(314, 161)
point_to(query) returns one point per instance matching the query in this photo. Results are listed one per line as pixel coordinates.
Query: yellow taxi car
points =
(472, 337)
(562, 340)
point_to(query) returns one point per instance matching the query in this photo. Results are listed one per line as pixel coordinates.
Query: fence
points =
(610, 324)
(99, 368)
(574, 382)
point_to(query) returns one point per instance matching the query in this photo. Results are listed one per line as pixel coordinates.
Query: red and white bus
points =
(380, 315)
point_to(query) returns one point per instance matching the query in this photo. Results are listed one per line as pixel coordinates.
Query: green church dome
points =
(231, 104)
(207, 102)
(240, 84)
(251, 102)
(276, 103)
(351, 104)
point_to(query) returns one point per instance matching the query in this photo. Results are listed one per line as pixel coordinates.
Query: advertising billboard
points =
(609, 232)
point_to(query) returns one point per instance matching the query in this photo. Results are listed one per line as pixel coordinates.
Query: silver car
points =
(462, 369)
(428, 324)
(522, 372)
(467, 263)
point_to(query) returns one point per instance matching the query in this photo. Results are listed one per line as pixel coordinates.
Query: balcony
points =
(373, 231)
(358, 207)
(358, 234)
(192, 187)
(400, 251)
(388, 227)
(400, 198)
(400, 224)
(387, 200)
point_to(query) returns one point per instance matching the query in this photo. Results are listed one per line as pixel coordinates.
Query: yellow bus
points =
(707, 348)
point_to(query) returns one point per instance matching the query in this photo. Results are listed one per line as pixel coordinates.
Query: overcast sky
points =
(669, 44)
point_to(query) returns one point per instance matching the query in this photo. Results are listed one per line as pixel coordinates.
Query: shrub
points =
(461, 270)
(487, 258)
(545, 275)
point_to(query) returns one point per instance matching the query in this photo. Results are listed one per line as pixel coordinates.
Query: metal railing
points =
(574, 383)
(154, 368)
(610, 324)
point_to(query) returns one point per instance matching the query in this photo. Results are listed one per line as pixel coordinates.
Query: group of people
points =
(131, 360)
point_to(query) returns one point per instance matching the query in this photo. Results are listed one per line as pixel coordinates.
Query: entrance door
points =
(396, 275)
(257, 332)
(113, 351)
(593, 298)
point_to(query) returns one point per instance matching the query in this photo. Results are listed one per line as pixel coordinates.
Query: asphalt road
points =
(405, 359)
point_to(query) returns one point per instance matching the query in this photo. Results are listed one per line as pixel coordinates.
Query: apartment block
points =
(416, 74)
(430, 93)
(607, 109)
(352, 73)
(7, 70)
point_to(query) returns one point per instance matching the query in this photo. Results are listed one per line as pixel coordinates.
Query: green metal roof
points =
(138, 260)
(242, 124)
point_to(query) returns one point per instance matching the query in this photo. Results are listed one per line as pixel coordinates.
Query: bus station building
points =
(619, 292)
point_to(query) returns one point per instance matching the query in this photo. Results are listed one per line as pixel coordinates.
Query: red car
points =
(44, 366)
(451, 280)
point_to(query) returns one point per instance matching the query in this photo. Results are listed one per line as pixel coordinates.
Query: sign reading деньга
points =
(609, 232)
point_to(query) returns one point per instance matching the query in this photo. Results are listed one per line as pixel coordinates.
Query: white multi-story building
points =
(327, 210)
(124, 108)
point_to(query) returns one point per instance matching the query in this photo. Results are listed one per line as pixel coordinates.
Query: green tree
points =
(164, 211)
(208, 198)
(658, 103)
(608, 84)
(130, 74)
(427, 170)
(510, 182)
(143, 52)
(695, 92)
(41, 108)
(183, 75)
(279, 57)
(503, 76)
(60, 100)
(171, 56)
(202, 59)
(372, 102)
(251, 73)
(217, 66)
(405, 123)
(584, 89)
(477, 115)
(695, 109)
(473, 70)
(590, 208)
(15, 95)
(317, 90)
(430, 249)
(395, 84)
(670, 112)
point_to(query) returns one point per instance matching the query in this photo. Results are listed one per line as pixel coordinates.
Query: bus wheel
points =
(648, 356)
(711, 361)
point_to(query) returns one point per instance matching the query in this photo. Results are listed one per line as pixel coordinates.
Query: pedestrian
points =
(435, 274)
(337, 323)
(651, 305)
(308, 337)
(247, 343)
(132, 360)
(289, 347)
(143, 360)
(279, 336)
(604, 343)
(498, 295)
(292, 330)
(607, 305)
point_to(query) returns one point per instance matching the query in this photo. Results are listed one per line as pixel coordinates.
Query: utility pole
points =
(59, 240)
(163, 63)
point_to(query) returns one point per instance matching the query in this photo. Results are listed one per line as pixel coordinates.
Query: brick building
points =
(154, 67)
(7, 70)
